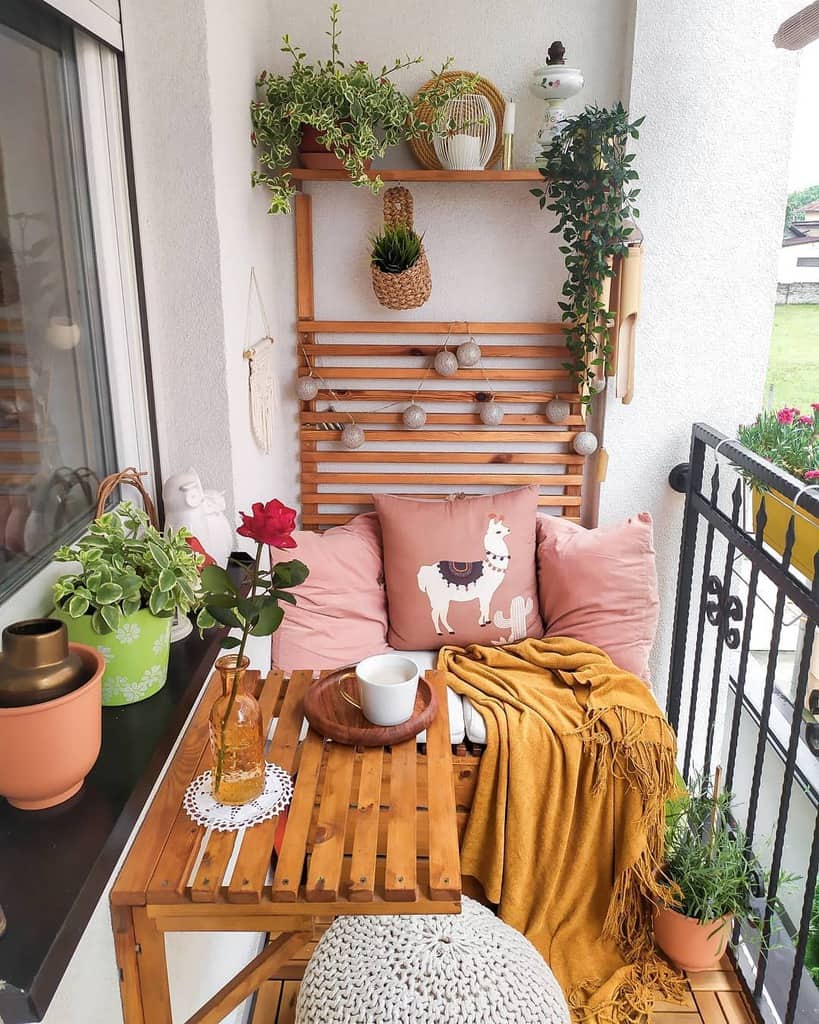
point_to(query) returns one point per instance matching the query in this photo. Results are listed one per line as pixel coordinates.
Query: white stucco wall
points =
(718, 101)
(172, 133)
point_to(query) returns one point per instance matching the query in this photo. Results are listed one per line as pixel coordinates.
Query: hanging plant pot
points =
(411, 287)
(779, 511)
(690, 945)
(316, 156)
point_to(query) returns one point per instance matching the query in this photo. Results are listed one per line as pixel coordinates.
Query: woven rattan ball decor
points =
(423, 148)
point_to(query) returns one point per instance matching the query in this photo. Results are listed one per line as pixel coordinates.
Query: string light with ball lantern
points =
(445, 363)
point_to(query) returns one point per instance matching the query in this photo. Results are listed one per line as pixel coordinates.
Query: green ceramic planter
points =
(136, 655)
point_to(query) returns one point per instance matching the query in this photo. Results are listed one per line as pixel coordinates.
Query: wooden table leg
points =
(274, 954)
(126, 954)
(153, 969)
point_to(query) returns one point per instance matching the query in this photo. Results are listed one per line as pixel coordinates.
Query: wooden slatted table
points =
(368, 832)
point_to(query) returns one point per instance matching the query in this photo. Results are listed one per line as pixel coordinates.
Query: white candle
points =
(509, 119)
(465, 152)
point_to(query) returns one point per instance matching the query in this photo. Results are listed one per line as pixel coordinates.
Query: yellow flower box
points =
(779, 510)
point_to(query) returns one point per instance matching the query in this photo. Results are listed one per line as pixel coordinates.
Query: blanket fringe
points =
(647, 767)
(632, 1001)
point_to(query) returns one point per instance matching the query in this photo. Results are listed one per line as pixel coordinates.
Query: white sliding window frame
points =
(103, 138)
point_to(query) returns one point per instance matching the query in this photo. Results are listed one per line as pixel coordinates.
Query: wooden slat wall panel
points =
(369, 370)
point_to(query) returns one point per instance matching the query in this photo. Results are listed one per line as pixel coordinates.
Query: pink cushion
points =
(460, 571)
(600, 586)
(341, 615)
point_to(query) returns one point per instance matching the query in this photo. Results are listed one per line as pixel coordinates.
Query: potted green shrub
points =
(790, 440)
(338, 115)
(122, 597)
(714, 877)
(589, 185)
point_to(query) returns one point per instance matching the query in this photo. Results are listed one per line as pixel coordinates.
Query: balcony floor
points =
(715, 997)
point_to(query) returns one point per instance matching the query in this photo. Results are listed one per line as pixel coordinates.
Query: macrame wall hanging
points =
(263, 386)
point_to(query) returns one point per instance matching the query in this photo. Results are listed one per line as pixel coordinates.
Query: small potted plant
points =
(400, 269)
(122, 597)
(715, 879)
(338, 115)
(790, 440)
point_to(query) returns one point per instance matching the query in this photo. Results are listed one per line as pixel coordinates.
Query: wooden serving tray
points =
(331, 716)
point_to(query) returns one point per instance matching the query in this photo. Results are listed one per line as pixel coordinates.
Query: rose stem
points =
(235, 685)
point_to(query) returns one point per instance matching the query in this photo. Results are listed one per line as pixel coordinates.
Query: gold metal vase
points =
(36, 664)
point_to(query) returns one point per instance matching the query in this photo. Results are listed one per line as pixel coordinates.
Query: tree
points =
(797, 201)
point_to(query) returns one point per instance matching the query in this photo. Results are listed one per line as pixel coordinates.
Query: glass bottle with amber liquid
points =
(236, 738)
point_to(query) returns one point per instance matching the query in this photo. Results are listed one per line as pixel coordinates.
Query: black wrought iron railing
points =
(742, 681)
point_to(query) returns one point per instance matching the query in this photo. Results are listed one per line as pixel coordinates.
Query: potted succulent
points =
(711, 873)
(790, 440)
(122, 597)
(589, 185)
(338, 115)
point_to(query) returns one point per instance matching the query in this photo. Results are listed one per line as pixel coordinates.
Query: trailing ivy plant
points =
(358, 113)
(588, 185)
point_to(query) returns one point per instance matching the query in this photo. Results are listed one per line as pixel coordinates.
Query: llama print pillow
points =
(460, 571)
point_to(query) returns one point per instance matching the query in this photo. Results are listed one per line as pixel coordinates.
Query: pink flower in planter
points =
(806, 420)
(786, 415)
(812, 474)
(814, 406)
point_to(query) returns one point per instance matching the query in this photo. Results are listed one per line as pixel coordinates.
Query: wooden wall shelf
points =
(419, 174)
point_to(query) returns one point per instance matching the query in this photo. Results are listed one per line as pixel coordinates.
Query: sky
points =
(804, 164)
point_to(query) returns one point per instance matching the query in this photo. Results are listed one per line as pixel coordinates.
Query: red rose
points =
(271, 523)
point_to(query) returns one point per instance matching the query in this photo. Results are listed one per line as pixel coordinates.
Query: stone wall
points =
(798, 293)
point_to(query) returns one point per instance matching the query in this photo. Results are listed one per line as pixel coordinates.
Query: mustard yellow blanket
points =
(566, 829)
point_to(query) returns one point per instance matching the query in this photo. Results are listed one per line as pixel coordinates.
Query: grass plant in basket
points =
(396, 248)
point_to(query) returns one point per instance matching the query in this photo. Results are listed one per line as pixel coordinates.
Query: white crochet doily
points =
(201, 806)
(439, 969)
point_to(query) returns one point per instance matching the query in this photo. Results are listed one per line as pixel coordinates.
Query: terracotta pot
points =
(47, 749)
(315, 156)
(691, 946)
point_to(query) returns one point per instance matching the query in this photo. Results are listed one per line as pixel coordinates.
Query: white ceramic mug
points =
(387, 685)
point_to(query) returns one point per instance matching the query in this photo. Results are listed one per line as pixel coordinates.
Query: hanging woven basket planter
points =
(408, 288)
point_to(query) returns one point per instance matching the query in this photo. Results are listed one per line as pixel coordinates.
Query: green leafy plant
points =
(812, 947)
(126, 564)
(358, 113)
(396, 248)
(588, 185)
(797, 201)
(707, 858)
(788, 439)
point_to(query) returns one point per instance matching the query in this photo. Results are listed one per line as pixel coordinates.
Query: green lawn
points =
(793, 370)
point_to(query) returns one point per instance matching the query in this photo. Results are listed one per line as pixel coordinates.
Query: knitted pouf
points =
(468, 968)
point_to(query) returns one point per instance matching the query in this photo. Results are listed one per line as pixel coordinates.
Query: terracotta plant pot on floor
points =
(691, 946)
(47, 749)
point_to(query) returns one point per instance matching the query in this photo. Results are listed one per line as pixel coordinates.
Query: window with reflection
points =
(56, 438)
